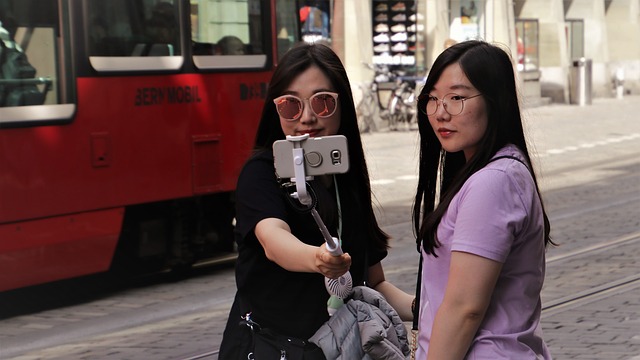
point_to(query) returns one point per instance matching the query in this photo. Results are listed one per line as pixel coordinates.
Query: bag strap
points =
(416, 308)
(509, 157)
(365, 275)
(416, 312)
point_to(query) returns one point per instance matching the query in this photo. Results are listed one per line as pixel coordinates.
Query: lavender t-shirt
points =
(496, 215)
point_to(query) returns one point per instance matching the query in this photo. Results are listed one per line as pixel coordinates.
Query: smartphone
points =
(323, 155)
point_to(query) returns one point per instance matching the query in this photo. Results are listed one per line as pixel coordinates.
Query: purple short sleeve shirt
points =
(496, 215)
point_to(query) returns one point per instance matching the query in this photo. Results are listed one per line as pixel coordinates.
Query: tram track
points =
(599, 291)
(573, 301)
(623, 160)
(601, 246)
(566, 214)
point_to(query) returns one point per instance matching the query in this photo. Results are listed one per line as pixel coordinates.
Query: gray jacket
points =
(366, 327)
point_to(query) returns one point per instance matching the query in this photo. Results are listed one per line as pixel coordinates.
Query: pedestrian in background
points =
(282, 257)
(478, 214)
(230, 45)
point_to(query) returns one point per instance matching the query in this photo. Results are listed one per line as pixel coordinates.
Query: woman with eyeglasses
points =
(282, 257)
(478, 214)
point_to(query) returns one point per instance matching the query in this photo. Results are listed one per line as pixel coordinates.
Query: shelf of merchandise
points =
(394, 32)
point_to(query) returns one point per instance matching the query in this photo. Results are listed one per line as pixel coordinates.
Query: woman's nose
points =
(307, 115)
(441, 112)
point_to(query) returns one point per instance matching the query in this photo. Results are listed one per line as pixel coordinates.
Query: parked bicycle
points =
(367, 109)
(402, 107)
(389, 97)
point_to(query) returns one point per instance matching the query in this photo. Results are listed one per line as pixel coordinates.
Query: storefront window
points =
(527, 42)
(465, 15)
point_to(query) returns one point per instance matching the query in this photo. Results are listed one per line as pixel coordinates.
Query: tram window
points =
(229, 34)
(287, 25)
(132, 34)
(30, 71)
(133, 28)
(27, 58)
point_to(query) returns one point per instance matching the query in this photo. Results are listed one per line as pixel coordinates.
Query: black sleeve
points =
(258, 195)
(376, 256)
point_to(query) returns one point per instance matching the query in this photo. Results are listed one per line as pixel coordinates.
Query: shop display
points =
(394, 32)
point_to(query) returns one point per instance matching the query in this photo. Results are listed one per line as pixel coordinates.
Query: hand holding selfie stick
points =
(338, 288)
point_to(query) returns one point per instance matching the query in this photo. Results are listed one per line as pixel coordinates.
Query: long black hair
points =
(359, 221)
(490, 70)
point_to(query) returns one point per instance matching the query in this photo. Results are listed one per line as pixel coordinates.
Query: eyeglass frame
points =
(427, 97)
(334, 95)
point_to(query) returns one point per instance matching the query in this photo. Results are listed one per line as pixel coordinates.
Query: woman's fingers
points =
(332, 266)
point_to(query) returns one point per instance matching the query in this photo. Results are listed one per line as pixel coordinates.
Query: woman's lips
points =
(312, 133)
(445, 132)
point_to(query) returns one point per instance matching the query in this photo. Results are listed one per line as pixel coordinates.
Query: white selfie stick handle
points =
(333, 245)
(298, 169)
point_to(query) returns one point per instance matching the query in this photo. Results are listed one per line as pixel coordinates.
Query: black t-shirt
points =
(291, 303)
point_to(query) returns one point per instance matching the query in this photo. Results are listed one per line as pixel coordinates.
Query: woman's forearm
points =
(398, 299)
(471, 282)
(281, 247)
(452, 333)
(286, 250)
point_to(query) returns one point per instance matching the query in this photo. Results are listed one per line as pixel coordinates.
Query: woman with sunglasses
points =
(478, 214)
(282, 259)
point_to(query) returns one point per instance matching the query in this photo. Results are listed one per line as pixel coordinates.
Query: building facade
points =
(547, 39)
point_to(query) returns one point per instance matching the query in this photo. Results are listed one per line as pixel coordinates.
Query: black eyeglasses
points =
(452, 103)
(323, 104)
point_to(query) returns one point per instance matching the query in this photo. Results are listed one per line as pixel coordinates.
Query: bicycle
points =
(390, 97)
(402, 107)
(375, 99)
(367, 110)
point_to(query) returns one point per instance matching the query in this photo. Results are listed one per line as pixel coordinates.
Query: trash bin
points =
(618, 83)
(580, 82)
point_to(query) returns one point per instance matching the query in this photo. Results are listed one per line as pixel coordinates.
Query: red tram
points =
(123, 127)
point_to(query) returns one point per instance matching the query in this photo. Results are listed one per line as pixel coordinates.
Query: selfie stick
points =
(298, 169)
(338, 288)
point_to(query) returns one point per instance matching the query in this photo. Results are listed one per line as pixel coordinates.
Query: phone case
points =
(323, 155)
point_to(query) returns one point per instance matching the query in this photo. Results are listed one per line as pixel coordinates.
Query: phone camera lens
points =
(336, 157)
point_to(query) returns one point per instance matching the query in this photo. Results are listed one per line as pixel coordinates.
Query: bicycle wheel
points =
(395, 112)
(366, 113)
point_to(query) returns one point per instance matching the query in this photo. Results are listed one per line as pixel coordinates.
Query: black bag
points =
(269, 345)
